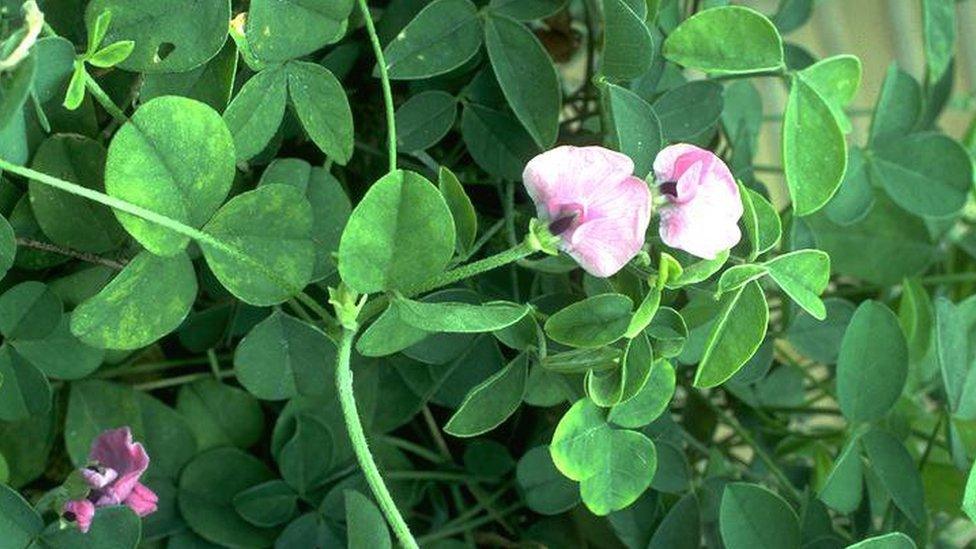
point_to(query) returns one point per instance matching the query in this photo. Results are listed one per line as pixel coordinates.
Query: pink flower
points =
(593, 203)
(115, 466)
(704, 207)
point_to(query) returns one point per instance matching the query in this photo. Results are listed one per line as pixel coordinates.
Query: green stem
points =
(153, 367)
(374, 39)
(214, 364)
(489, 263)
(319, 310)
(180, 380)
(461, 528)
(347, 400)
(760, 452)
(104, 100)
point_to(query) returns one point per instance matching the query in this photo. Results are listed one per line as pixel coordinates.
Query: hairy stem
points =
(347, 400)
(374, 39)
(489, 263)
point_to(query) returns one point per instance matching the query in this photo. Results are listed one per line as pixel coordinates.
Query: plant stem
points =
(319, 310)
(179, 380)
(461, 528)
(67, 252)
(760, 452)
(104, 100)
(347, 400)
(374, 39)
(511, 255)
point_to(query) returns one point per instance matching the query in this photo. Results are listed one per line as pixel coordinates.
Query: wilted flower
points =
(593, 203)
(115, 466)
(703, 205)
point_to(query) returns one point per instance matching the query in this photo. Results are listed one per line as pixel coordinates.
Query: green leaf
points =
(917, 318)
(939, 31)
(927, 174)
(305, 459)
(950, 338)
(496, 141)
(735, 335)
(262, 249)
(24, 391)
(645, 313)
(282, 357)
(844, 486)
(175, 157)
(593, 322)
(899, 243)
(820, 340)
(668, 332)
(855, 196)
(515, 52)
(726, 40)
(322, 108)
(628, 46)
(680, 528)
(112, 55)
(169, 37)
(147, 300)
(814, 149)
(60, 354)
(873, 363)
(399, 235)
(365, 525)
(220, 415)
(689, 110)
(97, 31)
(697, 272)
(460, 317)
(546, 490)
(899, 106)
(330, 206)
(424, 119)
(116, 527)
(19, 523)
(752, 517)
(255, 114)
(268, 504)
(803, 275)
(66, 219)
(207, 489)
(761, 221)
(463, 212)
(894, 540)
(792, 14)
(580, 361)
(637, 130)
(211, 83)
(15, 89)
(29, 310)
(388, 334)
(492, 401)
(610, 387)
(527, 10)
(280, 30)
(614, 467)
(8, 246)
(441, 38)
(650, 402)
(836, 79)
(897, 471)
(738, 276)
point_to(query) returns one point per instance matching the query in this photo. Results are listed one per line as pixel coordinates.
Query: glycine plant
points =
(457, 273)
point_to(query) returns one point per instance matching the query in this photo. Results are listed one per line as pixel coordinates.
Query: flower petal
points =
(81, 511)
(142, 500)
(699, 229)
(568, 177)
(114, 449)
(616, 231)
(673, 160)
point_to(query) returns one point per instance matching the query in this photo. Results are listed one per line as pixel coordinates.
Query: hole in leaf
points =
(163, 51)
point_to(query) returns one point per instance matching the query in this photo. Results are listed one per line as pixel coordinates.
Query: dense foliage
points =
(289, 246)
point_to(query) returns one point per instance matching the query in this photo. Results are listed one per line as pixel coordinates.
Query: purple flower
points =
(115, 466)
(593, 203)
(703, 205)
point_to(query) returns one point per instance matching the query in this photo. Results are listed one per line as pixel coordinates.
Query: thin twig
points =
(68, 252)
